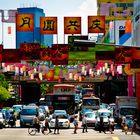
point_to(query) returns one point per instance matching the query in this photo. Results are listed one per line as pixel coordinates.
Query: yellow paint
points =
(115, 138)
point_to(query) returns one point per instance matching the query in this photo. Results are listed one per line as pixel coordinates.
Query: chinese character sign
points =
(46, 54)
(25, 22)
(96, 24)
(60, 54)
(48, 25)
(72, 25)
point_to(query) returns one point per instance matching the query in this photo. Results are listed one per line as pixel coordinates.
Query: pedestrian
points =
(47, 125)
(84, 123)
(75, 122)
(110, 125)
(135, 126)
(36, 123)
(123, 123)
(101, 124)
(56, 125)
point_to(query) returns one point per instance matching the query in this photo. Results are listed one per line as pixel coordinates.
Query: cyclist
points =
(36, 123)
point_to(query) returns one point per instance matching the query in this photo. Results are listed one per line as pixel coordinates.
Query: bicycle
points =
(32, 130)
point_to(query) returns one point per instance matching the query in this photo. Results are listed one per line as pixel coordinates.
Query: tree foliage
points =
(3, 81)
(4, 93)
(46, 88)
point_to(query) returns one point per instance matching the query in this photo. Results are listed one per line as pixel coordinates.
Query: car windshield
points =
(128, 111)
(90, 102)
(104, 114)
(29, 112)
(60, 112)
(90, 115)
(62, 116)
(86, 110)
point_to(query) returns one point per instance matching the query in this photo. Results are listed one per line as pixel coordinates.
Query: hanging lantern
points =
(80, 78)
(16, 70)
(113, 73)
(90, 71)
(98, 72)
(21, 70)
(106, 65)
(112, 67)
(103, 68)
(32, 76)
(107, 71)
(40, 76)
(70, 76)
(119, 69)
(8, 67)
(83, 70)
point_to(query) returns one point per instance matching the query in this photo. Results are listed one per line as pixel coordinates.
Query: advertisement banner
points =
(48, 25)
(72, 46)
(72, 25)
(11, 55)
(105, 55)
(60, 54)
(46, 54)
(128, 55)
(24, 22)
(30, 51)
(96, 24)
(29, 47)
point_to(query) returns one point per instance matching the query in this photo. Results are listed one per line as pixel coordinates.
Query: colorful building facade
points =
(34, 36)
(116, 10)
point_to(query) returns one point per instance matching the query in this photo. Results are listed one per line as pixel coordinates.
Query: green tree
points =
(3, 81)
(4, 93)
(46, 88)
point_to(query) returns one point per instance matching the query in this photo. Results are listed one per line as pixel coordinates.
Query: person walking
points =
(75, 122)
(110, 125)
(47, 125)
(123, 123)
(101, 124)
(56, 125)
(134, 127)
(84, 124)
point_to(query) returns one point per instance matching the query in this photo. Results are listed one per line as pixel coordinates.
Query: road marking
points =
(115, 138)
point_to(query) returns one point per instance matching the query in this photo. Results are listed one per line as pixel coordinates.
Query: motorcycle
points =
(11, 122)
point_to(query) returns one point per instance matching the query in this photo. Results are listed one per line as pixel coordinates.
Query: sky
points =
(59, 8)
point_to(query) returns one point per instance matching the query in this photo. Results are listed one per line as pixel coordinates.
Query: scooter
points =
(11, 122)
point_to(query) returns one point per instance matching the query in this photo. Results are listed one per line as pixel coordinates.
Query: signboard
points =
(96, 24)
(46, 54)
(72, 25)
(25, 22)
(11, 55)
(48, 25)
(60, 54)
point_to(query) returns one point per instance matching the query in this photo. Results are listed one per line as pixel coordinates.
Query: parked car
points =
(82, 112)
(17, 109)
(105, 113)
(27, 114)
(2, 120)
(91, 118)
(63, 119)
